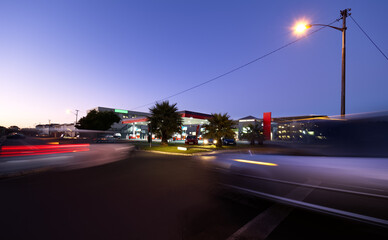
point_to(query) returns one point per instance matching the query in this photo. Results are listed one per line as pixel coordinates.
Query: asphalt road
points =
(146, 196)
(150, 196)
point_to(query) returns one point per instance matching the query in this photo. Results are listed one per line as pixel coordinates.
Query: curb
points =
(183, 154)
(168, 153)
(180, 154)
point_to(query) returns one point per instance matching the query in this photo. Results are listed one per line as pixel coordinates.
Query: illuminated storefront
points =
(305, 129)
(137, 128)
(134, 125)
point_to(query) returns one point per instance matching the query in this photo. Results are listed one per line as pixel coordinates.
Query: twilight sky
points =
(58, 55)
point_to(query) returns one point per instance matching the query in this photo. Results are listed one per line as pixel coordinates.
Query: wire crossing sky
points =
(370, 39)
(237, 68)
(80, 54)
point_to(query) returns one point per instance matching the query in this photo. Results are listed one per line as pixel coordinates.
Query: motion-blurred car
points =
(341, 170)
(106, 139)
(15, 135)
(228, 141)
(209, 141)
(191, 140)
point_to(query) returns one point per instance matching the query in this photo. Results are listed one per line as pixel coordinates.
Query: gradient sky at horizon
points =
(59, 55)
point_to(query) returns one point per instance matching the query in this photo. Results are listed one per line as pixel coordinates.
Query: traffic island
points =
(177, 150)
(190, 150)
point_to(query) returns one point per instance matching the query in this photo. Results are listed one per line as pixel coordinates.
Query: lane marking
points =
(263, 224)
(327, 210)
(321, 187)
(256, 162)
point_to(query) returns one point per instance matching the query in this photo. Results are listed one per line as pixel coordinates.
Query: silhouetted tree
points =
(3, 130)
(220, 125)
(165, 120)
(98, 120)
(13, 129)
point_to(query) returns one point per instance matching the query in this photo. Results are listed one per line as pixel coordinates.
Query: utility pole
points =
(49, 127)
(76, 116)
(76, 120)
(344, 13)
(150, 134)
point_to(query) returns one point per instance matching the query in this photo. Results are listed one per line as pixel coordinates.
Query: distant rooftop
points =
(248, 119)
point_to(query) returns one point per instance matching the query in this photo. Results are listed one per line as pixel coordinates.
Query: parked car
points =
(15, 135)
(191, 140)
(209, 141)
(106, 139)
(228, 141)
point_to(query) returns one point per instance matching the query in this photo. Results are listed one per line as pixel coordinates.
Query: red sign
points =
(267, 125)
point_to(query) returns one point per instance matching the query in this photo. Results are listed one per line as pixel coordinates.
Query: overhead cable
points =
(370, 39)
(237, 68)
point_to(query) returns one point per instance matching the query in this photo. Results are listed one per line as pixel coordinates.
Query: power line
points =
(358, 25)
(240, 67)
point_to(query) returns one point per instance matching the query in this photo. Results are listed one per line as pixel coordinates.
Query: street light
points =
(68, 111)
(301, 27)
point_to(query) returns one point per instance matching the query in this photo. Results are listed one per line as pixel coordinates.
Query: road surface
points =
(148, 196)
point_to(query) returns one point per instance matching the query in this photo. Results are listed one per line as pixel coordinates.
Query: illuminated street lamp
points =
(68, 111)
(301, 27)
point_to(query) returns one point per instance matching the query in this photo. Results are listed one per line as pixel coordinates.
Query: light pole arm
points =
(324, 25)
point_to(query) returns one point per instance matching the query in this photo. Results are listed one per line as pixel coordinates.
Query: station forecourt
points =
(134, 124)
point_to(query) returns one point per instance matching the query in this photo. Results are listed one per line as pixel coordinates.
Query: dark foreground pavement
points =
(151, 196)
(146, 196)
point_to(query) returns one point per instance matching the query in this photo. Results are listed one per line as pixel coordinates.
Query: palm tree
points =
(254, 132)
(165, 120)
(220, 125)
